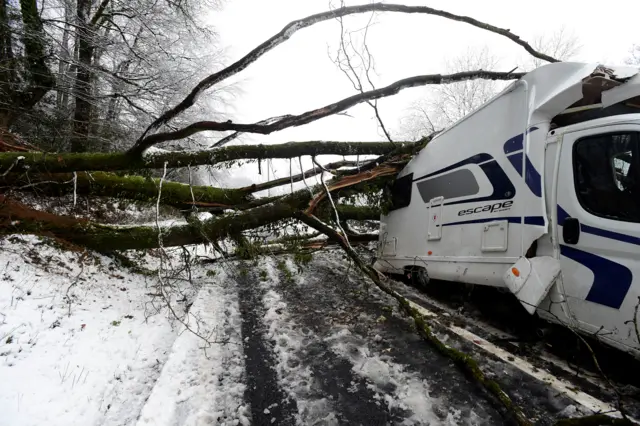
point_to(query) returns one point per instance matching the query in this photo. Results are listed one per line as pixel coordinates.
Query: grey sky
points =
(298, 75)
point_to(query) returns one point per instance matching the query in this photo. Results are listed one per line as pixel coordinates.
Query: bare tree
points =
(25, 76)
(634, 57)
(562, 44)
(443, 105)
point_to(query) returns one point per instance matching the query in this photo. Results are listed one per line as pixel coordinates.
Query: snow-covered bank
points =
(78, 345)
(202, 381)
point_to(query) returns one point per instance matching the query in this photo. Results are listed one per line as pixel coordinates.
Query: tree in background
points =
(104, 69)
(634, 58)
(441, 106)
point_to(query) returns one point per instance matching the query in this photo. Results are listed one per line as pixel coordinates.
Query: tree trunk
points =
(129, 187)
(17, 218)
(82, 86)
(36, 79)
(65, 163)
(62, 96)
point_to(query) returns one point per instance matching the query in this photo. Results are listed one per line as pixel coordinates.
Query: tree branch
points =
(299, 24)
(296, 178)
(316, 114)
(38, 162)
(130, 187)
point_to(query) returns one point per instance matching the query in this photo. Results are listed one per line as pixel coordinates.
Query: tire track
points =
(269, 404)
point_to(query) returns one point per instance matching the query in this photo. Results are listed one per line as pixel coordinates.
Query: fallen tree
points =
(320, 207)
(38, 162)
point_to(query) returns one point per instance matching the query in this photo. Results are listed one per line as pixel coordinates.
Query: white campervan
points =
(538, 191)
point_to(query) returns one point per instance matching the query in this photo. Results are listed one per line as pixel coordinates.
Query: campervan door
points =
(598, 217)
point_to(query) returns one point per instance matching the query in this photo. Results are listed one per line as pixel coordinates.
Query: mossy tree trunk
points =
(135, 188)
(37, 162)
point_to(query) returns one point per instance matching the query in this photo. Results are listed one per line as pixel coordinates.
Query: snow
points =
(105, 355)
(198, 387)
(84, 341)
(73, 361)
(411, 391)
(289, 341)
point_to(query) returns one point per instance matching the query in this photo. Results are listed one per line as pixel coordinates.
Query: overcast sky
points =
(299, 75)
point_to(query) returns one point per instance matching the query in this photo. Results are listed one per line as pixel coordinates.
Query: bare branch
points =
(295, 178)
(316, 114)
(299, 24)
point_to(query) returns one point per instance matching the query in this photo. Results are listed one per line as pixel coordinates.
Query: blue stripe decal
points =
(513, 144)
(528, 220)
(534, 220)
(516, 161)
(516, 143)
(611, 280)
(534, 182)
(610, 234)
(562, 215)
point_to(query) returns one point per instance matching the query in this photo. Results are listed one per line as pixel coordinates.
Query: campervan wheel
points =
(416, 276)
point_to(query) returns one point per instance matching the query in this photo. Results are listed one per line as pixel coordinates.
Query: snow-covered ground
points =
(85, 341)
(78, 344)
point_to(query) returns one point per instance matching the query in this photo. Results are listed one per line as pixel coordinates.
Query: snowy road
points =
(310, 346)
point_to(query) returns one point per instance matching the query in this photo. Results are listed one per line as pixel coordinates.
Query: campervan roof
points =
(570, 89)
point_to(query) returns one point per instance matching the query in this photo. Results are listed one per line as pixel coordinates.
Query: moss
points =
(60, 163)
(137, 188)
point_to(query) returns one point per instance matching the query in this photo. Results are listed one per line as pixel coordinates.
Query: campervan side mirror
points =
(571, 230)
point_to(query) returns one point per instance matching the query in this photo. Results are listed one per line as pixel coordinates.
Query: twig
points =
(333, 206)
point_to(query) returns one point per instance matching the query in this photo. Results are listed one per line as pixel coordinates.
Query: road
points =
(324, 347)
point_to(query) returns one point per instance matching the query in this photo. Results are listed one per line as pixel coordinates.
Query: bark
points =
(464, 361)
(82, 84)
(37, 162)
(299, 24)
(62, 96)
(130, 187)
(316, 114)
(36, 77)
(17, 218)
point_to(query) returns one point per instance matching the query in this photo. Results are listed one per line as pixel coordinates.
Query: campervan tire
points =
(417, 276)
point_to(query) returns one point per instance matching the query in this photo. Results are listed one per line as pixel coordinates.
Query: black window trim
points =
(575, 173)
(408, 178)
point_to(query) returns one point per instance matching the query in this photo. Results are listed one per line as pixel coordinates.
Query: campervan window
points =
(401, 192)
(607, 175)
